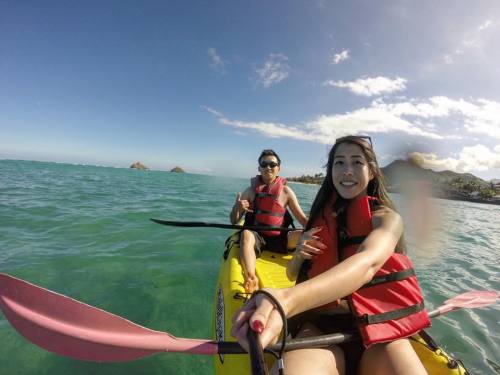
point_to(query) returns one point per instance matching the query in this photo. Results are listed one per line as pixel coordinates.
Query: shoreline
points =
(454, 198)
(437, 196)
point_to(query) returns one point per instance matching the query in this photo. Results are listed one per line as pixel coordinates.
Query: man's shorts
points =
(270, 243)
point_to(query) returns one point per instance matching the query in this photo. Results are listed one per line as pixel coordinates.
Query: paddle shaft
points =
(201, 224)
(229, 347)
(331, 339)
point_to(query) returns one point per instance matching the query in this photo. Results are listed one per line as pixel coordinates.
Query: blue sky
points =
(207, 85)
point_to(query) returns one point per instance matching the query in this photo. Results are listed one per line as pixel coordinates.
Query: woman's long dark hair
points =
(376, 187)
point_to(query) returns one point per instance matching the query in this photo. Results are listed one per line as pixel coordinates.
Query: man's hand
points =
(242, 205)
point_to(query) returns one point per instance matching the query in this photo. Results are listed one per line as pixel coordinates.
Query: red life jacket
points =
(267, 209)
(391, 305)
(328, 234)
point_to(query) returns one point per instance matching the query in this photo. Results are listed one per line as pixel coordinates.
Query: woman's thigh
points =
(315, 360)
(396, 357)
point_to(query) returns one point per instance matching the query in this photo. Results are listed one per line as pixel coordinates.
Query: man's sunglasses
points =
(265, 164)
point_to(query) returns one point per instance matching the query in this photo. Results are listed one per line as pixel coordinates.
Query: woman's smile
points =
(350, 171)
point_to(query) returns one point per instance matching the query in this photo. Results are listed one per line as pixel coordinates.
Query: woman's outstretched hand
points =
(259, 314)
(310, 246)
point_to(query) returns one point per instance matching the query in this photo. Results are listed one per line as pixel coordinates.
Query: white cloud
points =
(484, 119)
(325, 129)
(216, 62)
(274, 70)
(485, 25)
(422, 118)
(481, 116)
(474, 158)
(472, 43)
(371, 86)
(212, 111)
(448, 59)
(339, 57)
(269, 129)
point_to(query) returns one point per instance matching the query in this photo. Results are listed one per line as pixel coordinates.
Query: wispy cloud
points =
(448, 59)
(274, 70)
(480, 116)
(216, 62)
(420, 118)
(212, 111)
(472, 40)
(371, 86)
(474, 158)
(341, 56)
(485, 25)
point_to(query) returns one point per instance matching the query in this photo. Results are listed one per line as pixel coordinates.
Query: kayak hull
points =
(271, 271)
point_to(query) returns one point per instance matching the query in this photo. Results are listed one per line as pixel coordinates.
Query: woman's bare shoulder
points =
(382, 210)
(385, 214)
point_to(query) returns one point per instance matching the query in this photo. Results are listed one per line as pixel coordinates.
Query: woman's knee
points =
(396, 357)
(247, 236)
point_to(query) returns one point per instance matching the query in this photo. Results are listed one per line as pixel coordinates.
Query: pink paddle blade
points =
(71, 328)
(474, 299)
(469, 300)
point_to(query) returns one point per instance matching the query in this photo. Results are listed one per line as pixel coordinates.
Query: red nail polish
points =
(258, 326)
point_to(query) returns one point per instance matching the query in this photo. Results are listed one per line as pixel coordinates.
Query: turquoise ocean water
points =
(84, 231)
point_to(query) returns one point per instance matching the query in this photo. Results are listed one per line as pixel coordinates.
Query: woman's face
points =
(350, 171)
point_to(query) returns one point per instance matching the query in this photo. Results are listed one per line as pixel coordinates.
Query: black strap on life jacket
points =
(264, 195)
(287, 220)
(270, 213)
(348, 241)
(390, 315)
(394, 276)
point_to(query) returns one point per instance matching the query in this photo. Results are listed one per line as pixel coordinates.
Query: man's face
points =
(269, 168)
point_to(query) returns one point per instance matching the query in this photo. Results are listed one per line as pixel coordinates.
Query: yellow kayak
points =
(230, 296)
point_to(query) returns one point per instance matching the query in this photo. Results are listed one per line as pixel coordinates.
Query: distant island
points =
(445, 184)
(177, 170)
(139, 165)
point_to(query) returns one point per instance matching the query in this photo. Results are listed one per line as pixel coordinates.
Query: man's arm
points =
(294, 205)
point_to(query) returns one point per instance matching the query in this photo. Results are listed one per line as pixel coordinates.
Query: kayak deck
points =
(271, 271)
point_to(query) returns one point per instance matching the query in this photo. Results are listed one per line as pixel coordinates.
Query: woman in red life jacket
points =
(264, 202)
(352, 249)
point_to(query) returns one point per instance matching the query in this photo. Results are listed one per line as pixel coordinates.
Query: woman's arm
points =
(352, 273)
(340, 281)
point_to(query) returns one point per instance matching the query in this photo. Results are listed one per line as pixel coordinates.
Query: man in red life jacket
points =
(264, 202)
